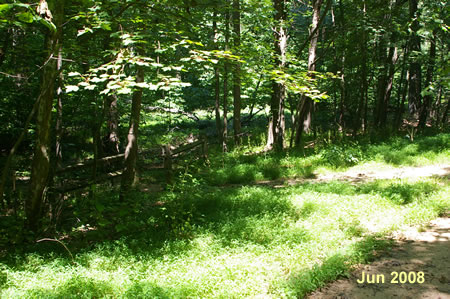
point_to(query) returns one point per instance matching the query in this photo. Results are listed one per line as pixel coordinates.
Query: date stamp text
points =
(395, 277)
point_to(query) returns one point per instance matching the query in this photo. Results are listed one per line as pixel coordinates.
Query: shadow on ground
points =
(426, 252)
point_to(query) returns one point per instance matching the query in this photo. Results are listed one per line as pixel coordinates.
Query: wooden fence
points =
(111, 167)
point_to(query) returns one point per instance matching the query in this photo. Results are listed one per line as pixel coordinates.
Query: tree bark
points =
(386, 88)
(216, 81)
(225, 80)
(278, 89)
(359, 121)
(59, 110)
(112, 141)
(236, 72)
(388, 63)
(41, 158)
(415, 72)
(427, 99)
(304, 113)
(129, 178)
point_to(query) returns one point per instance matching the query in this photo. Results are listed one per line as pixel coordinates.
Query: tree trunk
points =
(434, 113)
(427, 99)
(236, 72)
(216, 81)
(225, 80)
(445, 115)
(41, 158)
(278, 89)
(59, 110)
(112, 136)
(4, 48)
(415, 72)
(386, 95)
(359, 121)
(129, 178)
(304, 114)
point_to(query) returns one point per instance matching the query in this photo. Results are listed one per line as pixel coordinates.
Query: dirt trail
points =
(427, 251)
(386, 174)
(414, 252)
(361, 176)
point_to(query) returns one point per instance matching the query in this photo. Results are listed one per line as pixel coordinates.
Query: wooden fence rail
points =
(167, 154)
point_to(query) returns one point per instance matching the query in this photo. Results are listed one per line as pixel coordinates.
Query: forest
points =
(216, 149)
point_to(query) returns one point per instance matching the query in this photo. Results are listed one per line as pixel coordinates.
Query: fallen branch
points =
(58, 241)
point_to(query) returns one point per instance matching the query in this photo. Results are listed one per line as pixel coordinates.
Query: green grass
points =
(232, 242)
(213, 235)
(243, 166)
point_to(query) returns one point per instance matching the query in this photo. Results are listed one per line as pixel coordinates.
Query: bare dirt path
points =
(414, 253)
(356, 175)
(361, 175)
(417, 250)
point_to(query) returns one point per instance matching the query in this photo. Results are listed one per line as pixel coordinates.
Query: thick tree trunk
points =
(129, 178)
(427, 99)
(278, 89)
(304, 114)
(236, 72)
(415, 72)
(41, 159)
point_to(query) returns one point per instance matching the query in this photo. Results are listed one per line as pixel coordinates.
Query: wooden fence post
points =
(205, 148)
(167, 155)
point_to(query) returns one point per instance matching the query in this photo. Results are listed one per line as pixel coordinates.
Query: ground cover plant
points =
(220, 239)
(204, 148)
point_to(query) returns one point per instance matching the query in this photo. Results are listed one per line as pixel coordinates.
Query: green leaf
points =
(99, 207)
(4, 8)
(97, 80)
(26, 17)
(142, 85)
(48, 24)
(71, 88)
(124, 90)
(73, 74)
(106, 26)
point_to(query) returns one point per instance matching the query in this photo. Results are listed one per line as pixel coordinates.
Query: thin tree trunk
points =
(393, 57)
(434, 114)
(59, 110)
(129, 178)
(225, 80)
(359, 121)
(4, 48)
(236, 73)
(112, 135)
(427, 99)
(445, 115)
(13, 150)
(415, 72)
(41, 159)
(216, 81)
